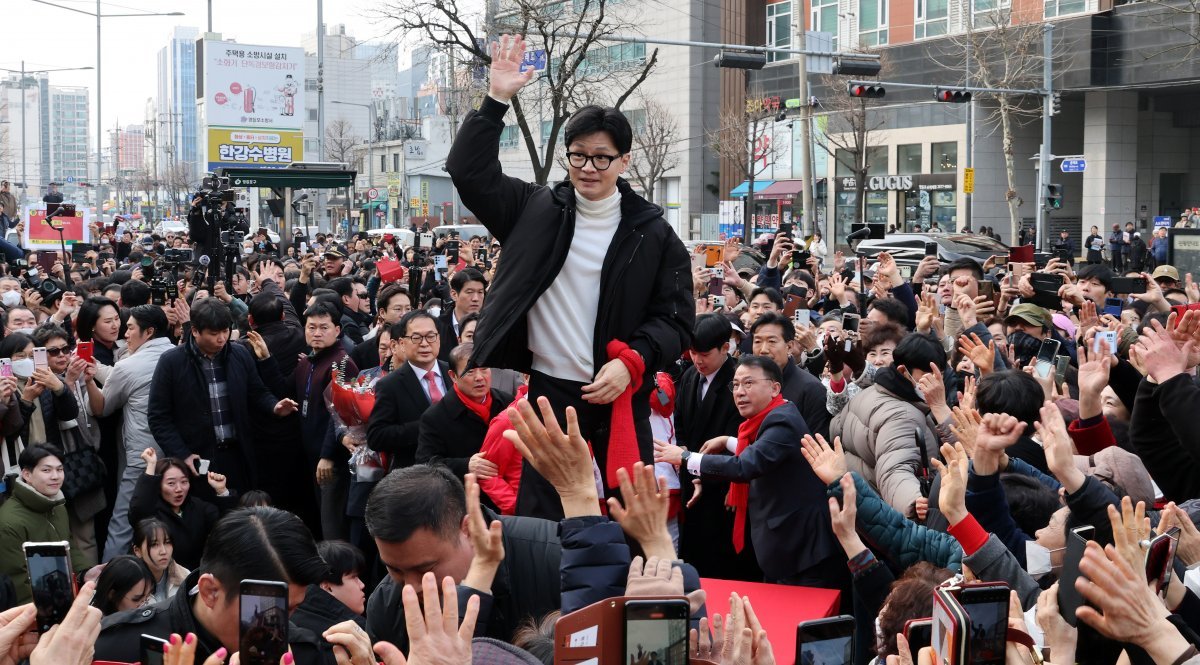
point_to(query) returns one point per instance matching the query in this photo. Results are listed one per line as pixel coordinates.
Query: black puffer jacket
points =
(645, 284)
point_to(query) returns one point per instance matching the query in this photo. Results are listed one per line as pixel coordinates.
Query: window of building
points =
(982, 8)
(908, 159)
(872, 22)
(877, 160)
(944, 157)
(382, 163)
(825, 18)
(932, 18)
(310, 85)
(510, 136)
(779, 28)
(312, 115)
(844, 164)
(396, 162)
(1064, 7)
(546, 125)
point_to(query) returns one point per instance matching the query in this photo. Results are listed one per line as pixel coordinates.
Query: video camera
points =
(215, 191)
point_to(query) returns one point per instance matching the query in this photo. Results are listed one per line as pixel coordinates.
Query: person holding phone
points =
(36, 512)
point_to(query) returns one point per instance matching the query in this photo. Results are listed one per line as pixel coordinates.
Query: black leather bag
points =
(83, 470)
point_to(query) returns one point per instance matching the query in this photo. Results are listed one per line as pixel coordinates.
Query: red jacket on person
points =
(502, 489)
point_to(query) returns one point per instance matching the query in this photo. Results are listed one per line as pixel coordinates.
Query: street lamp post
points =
(22, 72)
(370, 149)
(99, 124)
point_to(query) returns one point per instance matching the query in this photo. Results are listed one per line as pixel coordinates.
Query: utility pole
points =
(809, 221)
(970, 120)
(1043, 179)
(318, 205)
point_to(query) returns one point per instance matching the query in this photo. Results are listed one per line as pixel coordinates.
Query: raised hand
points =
(563, 459)
(505, 77)
(828, 463)
(983, 356)
(644, 513)
(487, 540)
(952, 498)
(1060, 454)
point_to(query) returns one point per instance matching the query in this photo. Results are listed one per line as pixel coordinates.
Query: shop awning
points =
(744, 188)
(782, 189)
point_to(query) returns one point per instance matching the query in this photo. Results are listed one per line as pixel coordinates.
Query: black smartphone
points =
(800, 258)
(656, 631)
(919, 633)
(791, 303)
(1069, 599)
(931, 249)
(1160, 557)
(826, 641)
(987, 613)
(1047, 282)
(987, 288)
(1046, 357)
(1041, 259)
(1129, 285)
(50, 579)
(481, 255)
(452, 252)
(850, 322)
(1113, 306)
(263, 622)
(152, 649)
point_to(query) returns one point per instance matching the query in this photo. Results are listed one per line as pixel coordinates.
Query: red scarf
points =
(482, 410)
(622, 437)
(739, 493)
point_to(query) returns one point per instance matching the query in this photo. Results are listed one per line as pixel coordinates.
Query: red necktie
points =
(435, 394)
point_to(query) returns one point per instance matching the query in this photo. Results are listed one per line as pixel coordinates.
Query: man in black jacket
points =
(773, 334)
(452, 430)
(594, 286)
(467, 288)
(406, 393)
(704, 410)
(202, 396)
(419, 519)
(356, 306)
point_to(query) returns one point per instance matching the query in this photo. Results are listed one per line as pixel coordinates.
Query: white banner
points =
(250, 86)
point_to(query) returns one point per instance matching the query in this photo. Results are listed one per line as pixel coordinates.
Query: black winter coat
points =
(645, 285)
(189, 528)
(451, 433)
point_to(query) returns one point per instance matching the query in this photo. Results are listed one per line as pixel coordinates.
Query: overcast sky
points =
(49, 38)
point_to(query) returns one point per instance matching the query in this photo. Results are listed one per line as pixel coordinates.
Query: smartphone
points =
(919, 633)
(1060, 369)
(1113, 306)
(850, 322)
(1046, 357)
(263, 622)
(906, 271)
(50, 578)
(656, 631)
(986, 607)
(1129, 285)
(152, 649)
(1069, 599)
(947, 634)
(716, 286)
(1042, 259)
(718, 302)
(1021, 254)
(1046, 282)
(39, 357)
(987, 288)
(303, 248)
(452, 251)
(802, 318)
(800, 258)
(85, 351)
(202, 466)
(1105, 342)
(5, 367)
(714, 255)
(47, 260)
(1160, 559)
(439, 262)
(791, 303)
(931, 249)
(826, 641)
(1000, 261)
(698, 262)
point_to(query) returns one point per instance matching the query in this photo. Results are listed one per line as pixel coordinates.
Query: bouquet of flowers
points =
(350, 402)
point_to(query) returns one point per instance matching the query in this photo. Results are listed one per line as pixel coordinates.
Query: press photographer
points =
(216, 228)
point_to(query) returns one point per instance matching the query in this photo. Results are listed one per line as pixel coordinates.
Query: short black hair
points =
(966, 263)
(400, 328)
(149, 531)
(262, 543)
(384, 298)
(14, 342)
(324, 308)
(882, 332)
(48, 331)
(35, 453)
(894, 310)
(266, 308)
(151, 316)
(1097, 271)
(592, 118)
(119, 576)
(918, 351)
(769, 292)
(89, 314)
(425, 496)
(343, 286)
(775, 319)
(1010, 391)
(460, 278)
(212, 315)
(135, 292)
(342, 558)
(1029, 502)
(252, 498)
(768, 366)
(473, 317)
(711, 331)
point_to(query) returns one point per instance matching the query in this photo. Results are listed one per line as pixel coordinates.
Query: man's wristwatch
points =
(683, 457)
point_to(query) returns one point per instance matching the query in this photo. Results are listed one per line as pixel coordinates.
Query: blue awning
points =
(744, 188)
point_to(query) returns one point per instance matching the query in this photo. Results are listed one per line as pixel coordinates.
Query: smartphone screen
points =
(802, 318)
(987, 614)
(1129, 285)
(987, 288)
(152, 650)
(919, 633)
(850, 322)
(714, 255)
(716, 286)
(50, 579)
(931, 249)
(1046, 357)
(656, 631)
(791, 303)
(39, 357)
(84, 351)
(1021, 254)
(1160, 557)
(826, 641)
(1113, 306)
(263, 622)
(1069, 599)
(945, 631)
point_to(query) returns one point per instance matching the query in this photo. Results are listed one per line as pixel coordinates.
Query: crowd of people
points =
(583, 418)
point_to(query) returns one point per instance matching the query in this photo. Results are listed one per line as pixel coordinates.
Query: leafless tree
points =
(340, 144)
(853, 128)
(580, 64)
(745, 140)
(654, 146)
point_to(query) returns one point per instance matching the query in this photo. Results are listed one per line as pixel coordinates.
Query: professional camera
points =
(177, 255)
(232, 238)
(215, 191)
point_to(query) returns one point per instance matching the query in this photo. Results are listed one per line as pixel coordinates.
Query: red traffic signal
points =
(952, 95)
(865, 91)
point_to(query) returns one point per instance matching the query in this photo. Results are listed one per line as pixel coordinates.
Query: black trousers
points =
(536, 497)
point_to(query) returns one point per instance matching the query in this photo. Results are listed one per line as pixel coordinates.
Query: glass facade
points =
(908, 159)
(932, 18)
(779, 28)
(872, 22)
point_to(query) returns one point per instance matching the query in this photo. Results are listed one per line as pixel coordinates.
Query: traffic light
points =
(851, 66)
(740, 60)
(1053, 199)
(865, 91)
(952, 95)
(1055, 103)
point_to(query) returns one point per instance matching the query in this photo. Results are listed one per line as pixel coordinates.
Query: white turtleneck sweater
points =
(562, 323)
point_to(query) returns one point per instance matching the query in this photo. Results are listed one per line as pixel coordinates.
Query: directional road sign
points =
(1077, 165)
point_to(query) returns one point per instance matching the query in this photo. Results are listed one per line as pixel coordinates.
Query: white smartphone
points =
(202, 466)
(802, 318)
(1105, 341)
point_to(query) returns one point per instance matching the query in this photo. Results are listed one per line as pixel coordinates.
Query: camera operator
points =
(206, 235)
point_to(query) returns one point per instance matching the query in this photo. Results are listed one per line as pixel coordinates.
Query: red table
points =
(780, 608)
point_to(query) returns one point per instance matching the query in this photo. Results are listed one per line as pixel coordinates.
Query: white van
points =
(404, 236)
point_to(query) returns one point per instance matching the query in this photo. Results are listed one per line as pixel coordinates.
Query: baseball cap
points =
(336, 250)
(1029, 313)
(1166, 272)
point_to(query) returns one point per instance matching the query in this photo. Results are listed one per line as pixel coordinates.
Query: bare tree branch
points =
(653, 142)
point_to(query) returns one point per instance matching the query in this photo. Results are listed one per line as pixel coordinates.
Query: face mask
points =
(25, 331)
(1037, 559)
(11, 298)
(435, 312)
(1191, 580)
(23, 368)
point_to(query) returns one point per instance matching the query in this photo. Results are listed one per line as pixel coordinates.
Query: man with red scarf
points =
(453, 430)
(771, 489)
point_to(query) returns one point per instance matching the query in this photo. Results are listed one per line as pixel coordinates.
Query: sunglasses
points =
(57, 351)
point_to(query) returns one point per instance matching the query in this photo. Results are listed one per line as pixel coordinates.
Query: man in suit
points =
(703, 411)
(391, 303)
(773, 334)
(452, 431)
(773, 488)
(403, 396)
(467, 287)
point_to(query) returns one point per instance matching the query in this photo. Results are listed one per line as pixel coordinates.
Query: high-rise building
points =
(66, 137)
(175, 129)
(131, 148)
(12, 166)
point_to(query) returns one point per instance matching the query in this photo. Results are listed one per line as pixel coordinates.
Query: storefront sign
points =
(933, 182)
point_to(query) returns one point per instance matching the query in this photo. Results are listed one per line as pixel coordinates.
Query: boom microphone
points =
(859, 234)
(60, 211)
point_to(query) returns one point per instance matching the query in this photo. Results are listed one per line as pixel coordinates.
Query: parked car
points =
(465, 231)
(909, 248)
